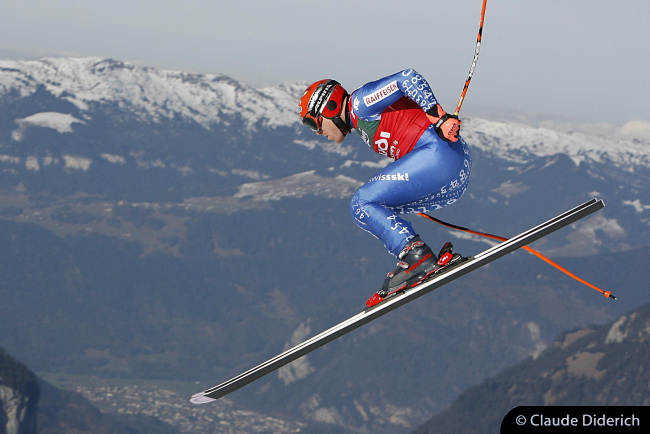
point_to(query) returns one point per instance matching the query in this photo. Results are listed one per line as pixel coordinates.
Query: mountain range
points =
(591, 367)
(166, 225)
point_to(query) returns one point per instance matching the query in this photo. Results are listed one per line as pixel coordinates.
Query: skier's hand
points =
(447, 126)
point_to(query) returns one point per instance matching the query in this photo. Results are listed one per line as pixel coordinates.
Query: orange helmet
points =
(323, 99)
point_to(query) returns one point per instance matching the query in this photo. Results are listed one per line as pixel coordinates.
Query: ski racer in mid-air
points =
(399, 117)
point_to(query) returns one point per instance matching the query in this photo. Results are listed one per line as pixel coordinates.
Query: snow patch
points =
(637, 205)
(10, 159)
(311, 408)
(251, 174)
(115, 159)
(142, 162)
(509, 188)
(77, 163)
(31, 163)
(59, 122)
(615, 333)
(299, 185)
(588, 235)
(609, 227)
(300, 368)
(629, 328)
(536, 337)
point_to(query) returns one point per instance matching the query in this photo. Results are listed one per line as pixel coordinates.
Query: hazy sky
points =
(556, 62)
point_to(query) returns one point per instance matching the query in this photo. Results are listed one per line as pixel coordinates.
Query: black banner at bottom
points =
(567, 419)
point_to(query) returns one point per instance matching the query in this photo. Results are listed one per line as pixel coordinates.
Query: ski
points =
(398, 300)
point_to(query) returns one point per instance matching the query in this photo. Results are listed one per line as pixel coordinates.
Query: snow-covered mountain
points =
(521, 144)
(176, 180)
(148, 93)
(94, 115)
(151, 95)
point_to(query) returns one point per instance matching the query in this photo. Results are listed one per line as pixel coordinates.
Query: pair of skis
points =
(393, 302)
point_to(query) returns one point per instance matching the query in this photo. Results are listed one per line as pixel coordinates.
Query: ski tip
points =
(200, 398)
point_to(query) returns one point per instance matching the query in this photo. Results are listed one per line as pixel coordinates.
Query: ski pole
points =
(476, 52)
(607, 294)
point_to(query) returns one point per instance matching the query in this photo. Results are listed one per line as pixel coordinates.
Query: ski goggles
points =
(313, 122)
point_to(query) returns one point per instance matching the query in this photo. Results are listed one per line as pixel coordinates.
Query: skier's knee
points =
(357, 209)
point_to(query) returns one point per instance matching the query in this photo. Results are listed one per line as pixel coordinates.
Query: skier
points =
(399, 117)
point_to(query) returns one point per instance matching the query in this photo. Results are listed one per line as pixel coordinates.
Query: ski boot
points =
(417, 264)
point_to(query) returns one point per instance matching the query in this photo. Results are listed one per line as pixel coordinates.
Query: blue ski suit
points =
(428, 173)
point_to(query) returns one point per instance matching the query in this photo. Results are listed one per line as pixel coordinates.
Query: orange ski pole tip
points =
(608, 294)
